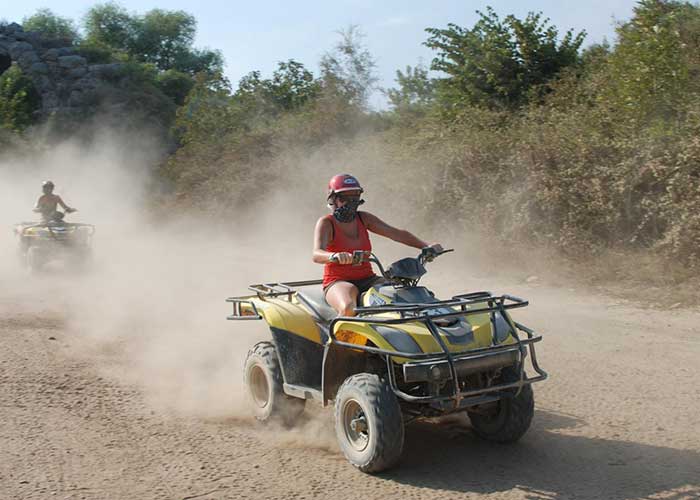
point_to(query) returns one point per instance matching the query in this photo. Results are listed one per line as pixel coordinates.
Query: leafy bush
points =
(95, 54)
(499, 63)
(19, 100)
(52, 26)
(175, 85)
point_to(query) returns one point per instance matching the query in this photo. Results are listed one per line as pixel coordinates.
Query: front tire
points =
(81, 259)
(35, 260)
(368, 423)
(509, 419)
(263, 380)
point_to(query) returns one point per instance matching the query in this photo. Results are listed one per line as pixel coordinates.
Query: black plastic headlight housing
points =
(502, 328)
(399, 340)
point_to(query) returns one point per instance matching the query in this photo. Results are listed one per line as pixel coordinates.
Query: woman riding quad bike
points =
(401, 355)
(53, 238)
(345, 230)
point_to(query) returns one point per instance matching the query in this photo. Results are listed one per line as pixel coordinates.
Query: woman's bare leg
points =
(342, 296)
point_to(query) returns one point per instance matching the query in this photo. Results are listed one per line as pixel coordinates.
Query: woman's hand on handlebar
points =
(432, 251)
(429, 253)
(436, 248)
(341, 258)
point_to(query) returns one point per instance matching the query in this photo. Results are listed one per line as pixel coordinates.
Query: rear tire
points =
(264, 382)
(368, 423)
(511, 416)
(22, 248)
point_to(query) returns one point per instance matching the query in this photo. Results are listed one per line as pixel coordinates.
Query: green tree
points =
(653, 69)
(175, 85)
(18, 100)
(207, 114)
(109, 25)
(193, 61)
(160, 37)
(415, 91)
(595, 56)
(52, 26)
(348, 70)
(291, 86)
(498, 63)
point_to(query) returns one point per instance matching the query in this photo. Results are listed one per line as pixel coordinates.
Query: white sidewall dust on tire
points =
(259, 384)
(262, 363)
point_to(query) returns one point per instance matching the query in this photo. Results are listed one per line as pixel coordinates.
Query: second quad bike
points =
(405, 355)
(54, 239)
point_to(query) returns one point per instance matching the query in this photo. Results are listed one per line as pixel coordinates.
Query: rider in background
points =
(47, 202)
(345, 230)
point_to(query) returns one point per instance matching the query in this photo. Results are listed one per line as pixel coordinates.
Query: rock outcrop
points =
(68, 85)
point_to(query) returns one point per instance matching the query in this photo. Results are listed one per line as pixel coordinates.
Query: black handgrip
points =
(428, 254)
(358, 257)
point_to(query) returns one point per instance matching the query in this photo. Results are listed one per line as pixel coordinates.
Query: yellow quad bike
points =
(54, 239)
(406, 355)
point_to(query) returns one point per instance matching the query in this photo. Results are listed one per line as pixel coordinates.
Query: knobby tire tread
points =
(288, 407)
(390, 429)
(521, 410)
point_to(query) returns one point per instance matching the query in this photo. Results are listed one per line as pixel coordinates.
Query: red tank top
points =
(342, 243)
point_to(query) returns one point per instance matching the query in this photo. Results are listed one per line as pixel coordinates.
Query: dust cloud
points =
(151, 305)
(155, 289)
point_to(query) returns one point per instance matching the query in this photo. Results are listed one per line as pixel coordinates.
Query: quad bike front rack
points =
(421, 313)
(21, 228)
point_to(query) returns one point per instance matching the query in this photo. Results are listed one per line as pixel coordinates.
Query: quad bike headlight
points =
(399, 340)
(430, 371)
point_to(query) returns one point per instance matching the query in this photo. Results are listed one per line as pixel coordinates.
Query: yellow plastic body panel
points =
(285, 315)
(481, 329)
(295, 318)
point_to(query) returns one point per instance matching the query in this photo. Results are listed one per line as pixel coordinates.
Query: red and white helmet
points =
(343, 182)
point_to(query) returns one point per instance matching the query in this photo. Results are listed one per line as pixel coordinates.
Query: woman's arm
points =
(323, 234)
(65, 207)
(376, 225)
(59, 200)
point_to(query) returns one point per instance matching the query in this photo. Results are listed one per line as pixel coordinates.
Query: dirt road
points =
(619, 418)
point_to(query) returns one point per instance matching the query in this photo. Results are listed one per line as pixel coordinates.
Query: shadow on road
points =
(545, 463)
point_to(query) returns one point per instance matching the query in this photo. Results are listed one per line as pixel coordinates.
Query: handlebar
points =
(428, 254)
(359, 257)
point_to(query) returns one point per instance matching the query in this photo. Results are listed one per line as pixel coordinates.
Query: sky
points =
(256, 35)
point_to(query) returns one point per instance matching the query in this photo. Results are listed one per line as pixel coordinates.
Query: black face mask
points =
(347, 212)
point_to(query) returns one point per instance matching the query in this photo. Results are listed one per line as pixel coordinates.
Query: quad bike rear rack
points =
(425, 313)
(263, 291)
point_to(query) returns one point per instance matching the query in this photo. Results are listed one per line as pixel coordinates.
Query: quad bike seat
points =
(315, 300)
